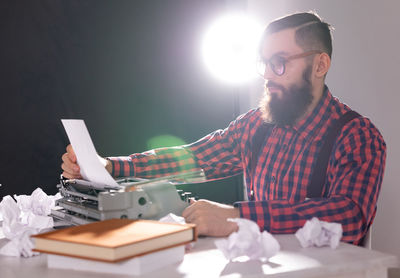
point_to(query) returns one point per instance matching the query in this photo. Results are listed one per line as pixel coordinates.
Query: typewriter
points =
(84, 202)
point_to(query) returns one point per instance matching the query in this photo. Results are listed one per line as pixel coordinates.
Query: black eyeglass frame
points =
(283, 60)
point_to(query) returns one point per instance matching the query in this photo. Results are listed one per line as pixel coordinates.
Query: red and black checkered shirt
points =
(284, 168)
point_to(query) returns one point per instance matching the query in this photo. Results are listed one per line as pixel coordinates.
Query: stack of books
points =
(120, 246)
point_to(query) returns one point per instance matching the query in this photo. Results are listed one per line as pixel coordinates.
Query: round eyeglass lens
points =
(277, 65)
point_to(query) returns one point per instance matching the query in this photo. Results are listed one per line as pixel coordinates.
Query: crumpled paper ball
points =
(248, 241)
(26, 216)
(173, 218)
(319, 233)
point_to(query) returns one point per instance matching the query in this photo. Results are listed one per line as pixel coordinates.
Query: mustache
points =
(272, 84)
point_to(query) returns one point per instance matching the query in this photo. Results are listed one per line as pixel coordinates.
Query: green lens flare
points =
(164, 141)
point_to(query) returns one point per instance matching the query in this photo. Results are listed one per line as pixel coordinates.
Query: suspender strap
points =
(314, 190)
(258, 139)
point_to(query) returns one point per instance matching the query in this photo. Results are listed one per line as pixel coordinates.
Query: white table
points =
(204, 260)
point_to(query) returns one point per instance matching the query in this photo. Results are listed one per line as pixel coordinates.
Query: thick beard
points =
(291, 106)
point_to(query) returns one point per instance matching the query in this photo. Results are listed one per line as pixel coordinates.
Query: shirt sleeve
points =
(154, 163)
(217, 153)
(354, 178)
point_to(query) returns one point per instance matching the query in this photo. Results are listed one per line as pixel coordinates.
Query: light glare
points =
(230, 48)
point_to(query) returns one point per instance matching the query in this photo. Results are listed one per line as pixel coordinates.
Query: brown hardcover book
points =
(115, 239)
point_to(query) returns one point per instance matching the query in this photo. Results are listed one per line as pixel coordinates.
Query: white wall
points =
(365, 73)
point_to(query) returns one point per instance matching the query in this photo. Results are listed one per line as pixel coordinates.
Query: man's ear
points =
(323, 63)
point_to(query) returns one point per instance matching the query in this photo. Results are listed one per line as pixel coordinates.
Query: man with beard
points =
(279, 146)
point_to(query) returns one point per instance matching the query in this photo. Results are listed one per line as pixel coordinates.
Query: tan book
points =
(115, 239)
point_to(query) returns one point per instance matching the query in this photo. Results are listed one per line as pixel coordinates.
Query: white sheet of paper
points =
(91, 167)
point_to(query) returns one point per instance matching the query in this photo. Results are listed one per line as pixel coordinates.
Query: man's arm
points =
(210, 217)
(355, 175)
(154, 163)
(219, 154)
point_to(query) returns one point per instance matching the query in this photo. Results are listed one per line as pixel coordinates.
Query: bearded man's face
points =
(290, 104)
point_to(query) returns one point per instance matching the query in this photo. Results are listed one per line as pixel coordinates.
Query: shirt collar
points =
(309, 125)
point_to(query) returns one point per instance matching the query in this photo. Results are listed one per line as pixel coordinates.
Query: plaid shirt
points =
(284, 168)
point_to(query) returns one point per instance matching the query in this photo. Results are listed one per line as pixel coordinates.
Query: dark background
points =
(131, 69)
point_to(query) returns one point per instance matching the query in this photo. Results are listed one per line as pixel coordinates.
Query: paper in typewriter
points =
(91, 167)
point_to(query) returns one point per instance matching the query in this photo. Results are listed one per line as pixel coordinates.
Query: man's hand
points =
(211, 217)
(71, 167)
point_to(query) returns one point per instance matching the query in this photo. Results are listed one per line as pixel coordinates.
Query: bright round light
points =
(230, 48)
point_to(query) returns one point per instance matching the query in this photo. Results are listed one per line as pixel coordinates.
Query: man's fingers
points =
(68, 173)
(71, 153)
(211, 217)
(70, 176)
(212, 226)
(187, 212)
(70, 166)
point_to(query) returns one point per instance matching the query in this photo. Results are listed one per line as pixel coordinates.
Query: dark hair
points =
(311, 32)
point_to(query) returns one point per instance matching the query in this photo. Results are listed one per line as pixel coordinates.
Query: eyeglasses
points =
(278, 63)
